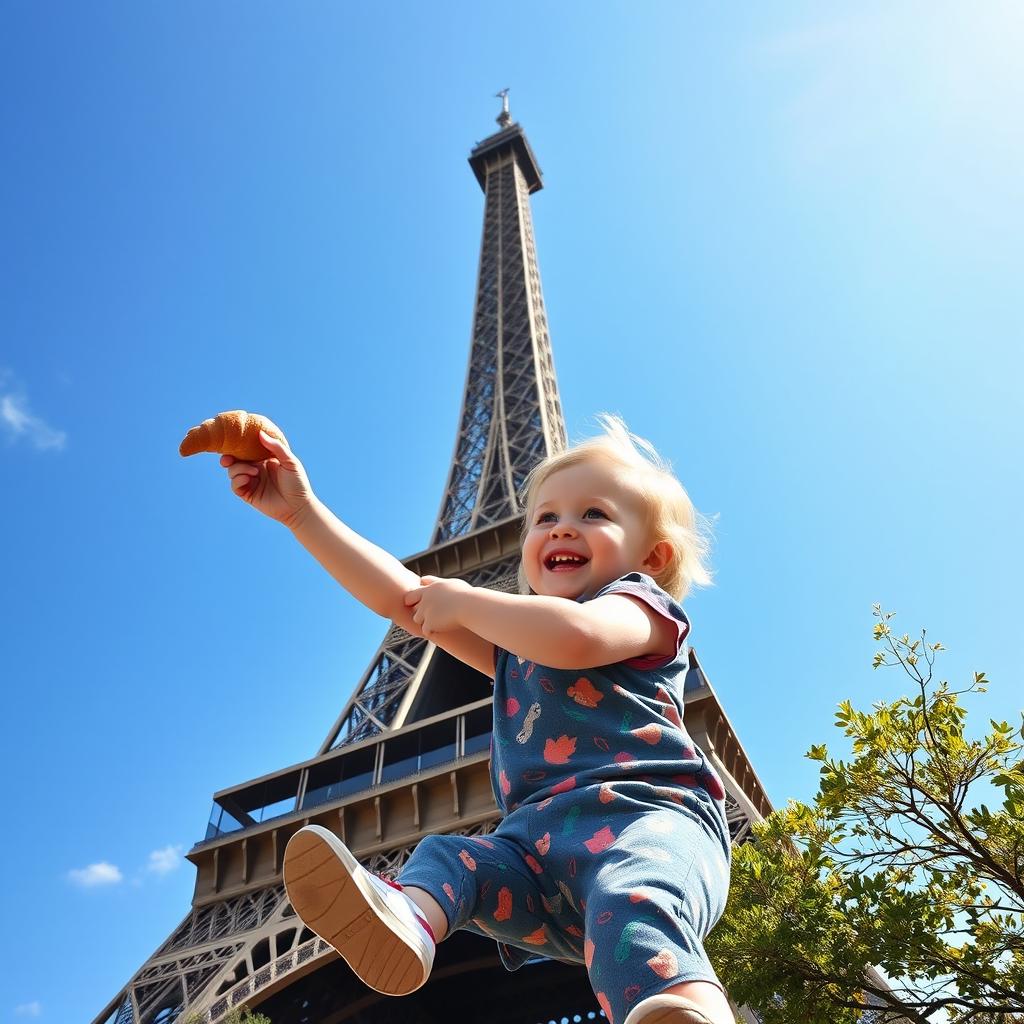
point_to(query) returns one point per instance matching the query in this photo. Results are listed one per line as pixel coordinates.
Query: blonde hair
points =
(671, 516)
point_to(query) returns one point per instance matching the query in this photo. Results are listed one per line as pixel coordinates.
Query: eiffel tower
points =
(408, 755)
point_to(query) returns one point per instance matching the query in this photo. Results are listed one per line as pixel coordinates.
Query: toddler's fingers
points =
(227, 460)
(413, 598)
(278, 449)
(243, 481)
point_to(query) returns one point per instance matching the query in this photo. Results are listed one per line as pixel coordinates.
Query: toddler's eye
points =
(594, 513)
(547, 517)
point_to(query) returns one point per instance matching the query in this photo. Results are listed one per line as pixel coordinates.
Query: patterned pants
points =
(626, 878)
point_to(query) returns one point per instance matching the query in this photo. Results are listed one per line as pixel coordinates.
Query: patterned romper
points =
(614, 848)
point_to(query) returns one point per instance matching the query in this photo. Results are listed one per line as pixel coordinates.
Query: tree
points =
(239, 1015)
(898, 864)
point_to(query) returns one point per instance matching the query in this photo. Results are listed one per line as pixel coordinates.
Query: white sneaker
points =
(379, 931)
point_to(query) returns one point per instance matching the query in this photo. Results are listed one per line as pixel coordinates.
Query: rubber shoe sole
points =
(334, 896)
(667, 1010)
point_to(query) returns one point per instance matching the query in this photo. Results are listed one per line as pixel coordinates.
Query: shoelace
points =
(419, 913)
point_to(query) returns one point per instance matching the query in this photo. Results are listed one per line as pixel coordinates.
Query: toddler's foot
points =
(666, 1009)
(377, 929)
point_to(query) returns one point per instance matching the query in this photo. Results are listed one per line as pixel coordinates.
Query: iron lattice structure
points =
(408, 754)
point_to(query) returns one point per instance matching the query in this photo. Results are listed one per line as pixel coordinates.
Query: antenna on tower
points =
(504, 118)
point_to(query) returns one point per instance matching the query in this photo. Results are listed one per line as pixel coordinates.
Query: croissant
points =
(232, 433)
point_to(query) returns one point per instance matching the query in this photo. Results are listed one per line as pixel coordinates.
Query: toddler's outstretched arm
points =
(280, 489)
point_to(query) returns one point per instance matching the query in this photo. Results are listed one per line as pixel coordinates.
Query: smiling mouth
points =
(564, 561)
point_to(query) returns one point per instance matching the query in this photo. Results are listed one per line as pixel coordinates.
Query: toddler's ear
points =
(661, 555)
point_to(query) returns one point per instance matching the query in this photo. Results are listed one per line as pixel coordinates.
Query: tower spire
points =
(511, 415)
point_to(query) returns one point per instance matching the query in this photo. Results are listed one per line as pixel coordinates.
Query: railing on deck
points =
(383, 759)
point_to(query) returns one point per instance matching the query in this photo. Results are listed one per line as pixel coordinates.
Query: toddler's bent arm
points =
(550, 630)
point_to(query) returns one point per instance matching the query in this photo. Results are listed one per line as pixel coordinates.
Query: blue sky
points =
(782, 242)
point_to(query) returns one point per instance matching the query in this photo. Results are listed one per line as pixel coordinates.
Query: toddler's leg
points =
(489, 885)
(379, 931)
(660, 887)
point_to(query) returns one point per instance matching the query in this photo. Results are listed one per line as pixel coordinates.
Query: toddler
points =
(613, 851)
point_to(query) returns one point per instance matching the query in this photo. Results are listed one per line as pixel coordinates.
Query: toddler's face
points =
(588, 528)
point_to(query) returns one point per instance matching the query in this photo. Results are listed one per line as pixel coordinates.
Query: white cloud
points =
(19, 421)
(95, 874)
(163, 861)
(33, 1009)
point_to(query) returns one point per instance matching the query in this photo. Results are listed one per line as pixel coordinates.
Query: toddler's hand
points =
(278, 487)
(437, 603)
